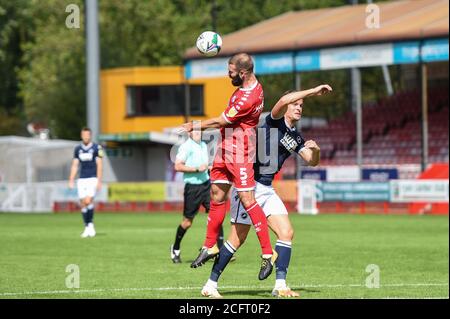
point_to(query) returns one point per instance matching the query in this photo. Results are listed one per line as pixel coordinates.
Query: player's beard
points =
(237, 80)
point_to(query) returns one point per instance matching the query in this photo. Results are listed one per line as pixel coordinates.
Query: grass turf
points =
(129, 258)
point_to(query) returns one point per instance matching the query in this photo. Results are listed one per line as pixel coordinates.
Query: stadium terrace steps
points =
(391, 131)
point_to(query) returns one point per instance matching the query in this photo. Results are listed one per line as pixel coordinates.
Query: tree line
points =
(42, 62)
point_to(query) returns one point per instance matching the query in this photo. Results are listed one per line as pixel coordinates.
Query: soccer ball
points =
(209, 43)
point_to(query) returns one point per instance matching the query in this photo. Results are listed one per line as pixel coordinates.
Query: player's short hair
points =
(242, 61)
(86, 129)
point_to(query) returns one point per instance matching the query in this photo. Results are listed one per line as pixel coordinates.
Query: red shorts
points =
(238, 173)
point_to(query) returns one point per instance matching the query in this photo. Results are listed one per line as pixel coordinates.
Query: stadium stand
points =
(391, 131)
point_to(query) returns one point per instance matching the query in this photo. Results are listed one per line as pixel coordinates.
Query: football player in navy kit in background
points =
(280, 133)
(87, 156)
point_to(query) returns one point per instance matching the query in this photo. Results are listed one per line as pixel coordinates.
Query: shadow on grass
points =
(96, 235)
(101, 234)
(209, 262)
(264, 292)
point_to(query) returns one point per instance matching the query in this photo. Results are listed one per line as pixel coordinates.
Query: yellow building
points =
(141, 106)
(139, 100)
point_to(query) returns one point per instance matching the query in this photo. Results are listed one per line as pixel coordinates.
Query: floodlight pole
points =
(424, 99)
(297, 82)
(298, 161)
(355, 74)
(92, 68)
(357, 107)
(187, 101)
(387, 80)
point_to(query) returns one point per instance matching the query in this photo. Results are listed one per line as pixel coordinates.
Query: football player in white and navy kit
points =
(88, 157)
(278, 132)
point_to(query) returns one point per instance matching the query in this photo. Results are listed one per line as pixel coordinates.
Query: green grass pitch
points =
(129, 258)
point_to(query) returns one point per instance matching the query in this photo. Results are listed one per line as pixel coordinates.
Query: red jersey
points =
(242, 115)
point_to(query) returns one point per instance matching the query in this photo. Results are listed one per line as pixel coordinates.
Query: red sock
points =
(262, 230)
(216, 215)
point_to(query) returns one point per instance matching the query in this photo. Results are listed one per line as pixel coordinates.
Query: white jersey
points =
(266, 197)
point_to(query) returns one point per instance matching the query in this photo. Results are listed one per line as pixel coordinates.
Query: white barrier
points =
(343, 174)
(419, 190)
(39, 197)
(307, 197)
(309, 192)
(174, 191)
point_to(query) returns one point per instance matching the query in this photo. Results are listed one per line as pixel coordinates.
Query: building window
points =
(163, 100)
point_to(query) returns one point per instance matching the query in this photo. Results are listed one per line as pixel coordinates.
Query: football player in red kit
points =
(233, 164)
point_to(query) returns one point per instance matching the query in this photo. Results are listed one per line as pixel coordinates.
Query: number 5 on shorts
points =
(243, 174)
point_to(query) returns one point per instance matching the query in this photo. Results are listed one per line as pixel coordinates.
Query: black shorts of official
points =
(194, 197)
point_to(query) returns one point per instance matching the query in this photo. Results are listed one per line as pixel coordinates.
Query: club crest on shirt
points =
(232, 112)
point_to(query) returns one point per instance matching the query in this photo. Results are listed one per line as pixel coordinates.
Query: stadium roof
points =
(35, 142)
(339, 26)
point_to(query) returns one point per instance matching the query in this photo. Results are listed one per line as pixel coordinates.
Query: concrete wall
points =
(139, 163)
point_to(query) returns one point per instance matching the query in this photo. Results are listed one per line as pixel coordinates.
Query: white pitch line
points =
(444, 297)
(81, 291)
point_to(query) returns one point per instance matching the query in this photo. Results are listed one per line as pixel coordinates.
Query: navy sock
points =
(225, 254)
(283, 248)
(179, 236)
(84, 214)
(220, 237)
(90, 213)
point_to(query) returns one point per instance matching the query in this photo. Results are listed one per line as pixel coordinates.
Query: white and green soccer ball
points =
(209, 43)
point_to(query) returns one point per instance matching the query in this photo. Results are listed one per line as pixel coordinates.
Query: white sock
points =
(211, 283)
(280, 283)
(265, 256)
(176, 252)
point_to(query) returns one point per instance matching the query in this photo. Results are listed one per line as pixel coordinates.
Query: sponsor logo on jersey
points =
(86, 156)
(289, 142)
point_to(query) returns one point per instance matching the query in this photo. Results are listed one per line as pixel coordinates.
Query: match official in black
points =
(192, 160)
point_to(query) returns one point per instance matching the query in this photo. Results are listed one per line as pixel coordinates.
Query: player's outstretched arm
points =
(310, 153)
(281, 106)
(216, 122)
(73, 172)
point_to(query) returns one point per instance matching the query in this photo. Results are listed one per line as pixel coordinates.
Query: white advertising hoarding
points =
(429, 191)
(356, 56)
(174, 191)
(343, 174)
